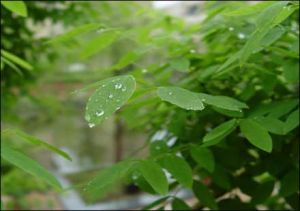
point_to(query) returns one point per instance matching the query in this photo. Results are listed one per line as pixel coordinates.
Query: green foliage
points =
(17, 7)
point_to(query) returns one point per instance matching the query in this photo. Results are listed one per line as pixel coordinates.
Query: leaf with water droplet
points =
(107, 98)
(181, 97)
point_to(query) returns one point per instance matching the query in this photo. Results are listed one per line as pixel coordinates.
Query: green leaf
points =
(74, 32)
(12, 65)
(204, 157)
(219, 133)
(108, 177)
(249, 9)
(158, 148)
(229, 113)
(36, 141)
(180, 64)
(16, 60)
(99, 43)
(268, 19)
(181, 97)
(221, 177)
(126, 60)
(178, 204)
(153, 174)
(27, 164)
(262, 192)
(109, 97)
(291, 72)
(179, 168)
(290, 183)
(292, 121)
(17, 7)
(204, 195)
(256, 134)
(223, 102)
(155, 203)
(272, 125)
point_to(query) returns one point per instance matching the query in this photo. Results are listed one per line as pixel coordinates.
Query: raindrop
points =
(134, 177)
(192, 51)
(118, 86)
(170, 93)
(118, 108)
(99, 113)
(91, 125)
(88, 118)
(241, 36)
(124, 89)
(144, 70)
(240, 110)
(110, 96)
(118, 100)
(231, 29)
(103, 85)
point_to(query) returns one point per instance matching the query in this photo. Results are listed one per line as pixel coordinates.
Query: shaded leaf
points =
(155, 203)
(16, 60)
(292, 121)
(290, 183)
(204, 195)
(178, 204)
(204, 157)
(256, 134)
(180, 64)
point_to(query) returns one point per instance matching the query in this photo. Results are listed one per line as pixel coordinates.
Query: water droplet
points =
(100, 113)
(192, 51)
(170, 93)
(240, 110)
(118, 108)
(103, 85)
(144, 70)
(231, 29)
(91, 125)
(110, 96)
(124, 89)
(241, 36)
(135, 177)
(118, 86)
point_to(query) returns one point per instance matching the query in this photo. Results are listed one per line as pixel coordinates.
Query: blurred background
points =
(42, 103)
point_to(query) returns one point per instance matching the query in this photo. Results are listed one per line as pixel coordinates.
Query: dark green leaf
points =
(272, 125)
(204, 195)
(153, 174)
(290, 183)
(178, 204)
(155, 203)
(256, 134)
(204, 157)
(292, 121)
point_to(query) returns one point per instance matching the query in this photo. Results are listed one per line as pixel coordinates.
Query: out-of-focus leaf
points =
(249, 10)
(204, 195)
(97, 44)
(27, 164)
(178, 204)
(292, 121)
(18, 7)
(180, 64)
(155, 203)
(204, 157)
(109, 97)
(289, 183)
(16, 60)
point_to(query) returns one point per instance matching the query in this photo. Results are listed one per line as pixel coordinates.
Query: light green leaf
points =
(219, 133)
(36, 141)
(204, 157)
(17, 7)
(108, 177)
(180, 64)
(249, 9)
(27, 164)
(232, 59)
(272, 125)
(179, 168)
(158, 148)
(256, 134)
(74, 32)
(229, 113)
(181, 97)
(153, 174)
(12, 65)
(109, 97)
(204, 195)
(292, 121)
(178, 204)
(223, 102)
(126, 60)
(16, 60)
(291, 72)
(99, 43)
